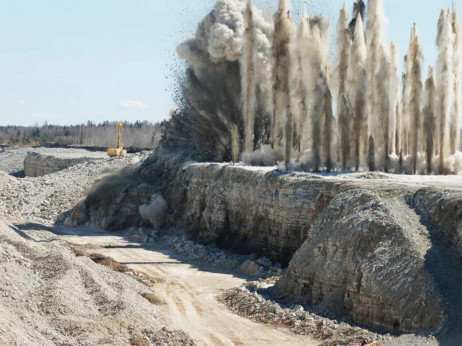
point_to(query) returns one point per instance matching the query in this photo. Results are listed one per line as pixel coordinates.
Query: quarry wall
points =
(252, 211)
(367, 250)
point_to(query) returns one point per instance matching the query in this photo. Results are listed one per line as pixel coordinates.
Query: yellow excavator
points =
(119, 151)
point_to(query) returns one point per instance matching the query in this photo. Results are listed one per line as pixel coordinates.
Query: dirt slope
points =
(50, 297)
(189, 294)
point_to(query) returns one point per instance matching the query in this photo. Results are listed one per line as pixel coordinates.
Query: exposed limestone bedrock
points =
(368, 248)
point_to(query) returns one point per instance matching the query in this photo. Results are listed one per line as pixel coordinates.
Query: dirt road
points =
(189, 292)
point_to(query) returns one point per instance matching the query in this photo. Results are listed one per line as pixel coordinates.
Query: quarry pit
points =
(363, 255)
(302, 191)
(374, 249)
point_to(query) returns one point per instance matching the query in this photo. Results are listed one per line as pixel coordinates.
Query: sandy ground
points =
(49, 296)
(188, 290)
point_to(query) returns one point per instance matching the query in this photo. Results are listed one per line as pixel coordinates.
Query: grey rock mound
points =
(365, 257)
(48, 296)
(37, 165)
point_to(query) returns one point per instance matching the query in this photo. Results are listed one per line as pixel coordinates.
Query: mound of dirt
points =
(366, 257)
(48, 198)
(48, 296)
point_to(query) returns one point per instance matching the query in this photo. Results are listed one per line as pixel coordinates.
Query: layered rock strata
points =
(368, 248)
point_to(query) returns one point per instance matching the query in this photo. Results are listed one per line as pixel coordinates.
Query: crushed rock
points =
(50, 198)
(247, 301)
(12, 159)
(248, 265)
(48, 296)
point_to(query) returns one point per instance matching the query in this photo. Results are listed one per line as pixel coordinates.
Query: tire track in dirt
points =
(189, 294)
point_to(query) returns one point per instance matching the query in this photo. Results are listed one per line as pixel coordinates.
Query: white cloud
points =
(131, 104)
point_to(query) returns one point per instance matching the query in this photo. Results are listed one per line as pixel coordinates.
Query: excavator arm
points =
(119, 151)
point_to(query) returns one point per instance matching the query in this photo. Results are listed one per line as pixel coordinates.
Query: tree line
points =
(139, 134)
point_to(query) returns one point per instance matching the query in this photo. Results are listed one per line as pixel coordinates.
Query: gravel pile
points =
(248, 301)
(48, 296)
(12, 159)
(48, 198)
(254, 300)
(249, 265)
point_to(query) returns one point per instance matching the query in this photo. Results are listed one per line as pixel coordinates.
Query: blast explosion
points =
(288, 92)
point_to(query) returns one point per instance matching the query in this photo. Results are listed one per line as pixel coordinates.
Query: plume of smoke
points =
(307, 87)
(284, 38)
(394, 100)
(375, 19)
(225, 35)
(265, 156)
(344, 121)
(263, 64)
(340, 77)
(453, 164)
(339, 80)
(301, 99)
(360, 123)
(289, 137)
(384, 105)
(357, 84)
(248, 93)
(401, 162)
(328, 113)
(454, 123)
(314, 49)
(105, 188)
(298, 101)
(297, 95)
(317, 119)
(235, 140)
(398, 122)
(445, 84)
(253, 78)
(371, 154)
(429, 118)
(209, 94)
(155, 211)
(359, 9)
(357, 60)
(406, 101)
(415, 57)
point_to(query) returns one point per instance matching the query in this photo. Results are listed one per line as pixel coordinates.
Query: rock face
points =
(365, 257)
(249, 211)
(442, 210)
(37, 165)
(252, 211)
(369, 248)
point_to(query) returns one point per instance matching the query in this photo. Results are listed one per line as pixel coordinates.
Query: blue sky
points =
(69, 61)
